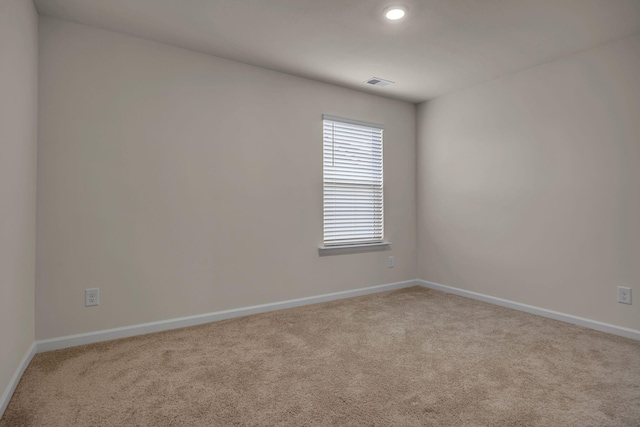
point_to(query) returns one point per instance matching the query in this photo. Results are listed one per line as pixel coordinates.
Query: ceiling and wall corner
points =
(440, 46)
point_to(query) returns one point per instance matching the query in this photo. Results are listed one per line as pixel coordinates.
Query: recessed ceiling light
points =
(394, 13)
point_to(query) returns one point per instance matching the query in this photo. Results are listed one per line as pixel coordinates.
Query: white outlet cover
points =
(91, 297)
(624, 295)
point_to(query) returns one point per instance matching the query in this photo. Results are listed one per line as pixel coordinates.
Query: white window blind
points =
(352, 180)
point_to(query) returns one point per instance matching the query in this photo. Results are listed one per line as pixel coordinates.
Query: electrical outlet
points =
(624, 295)
(91, 297)
(390, 262)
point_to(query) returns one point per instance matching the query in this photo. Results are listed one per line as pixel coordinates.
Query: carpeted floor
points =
(412, 357)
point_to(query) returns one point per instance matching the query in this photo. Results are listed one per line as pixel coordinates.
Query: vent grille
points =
(377, 81)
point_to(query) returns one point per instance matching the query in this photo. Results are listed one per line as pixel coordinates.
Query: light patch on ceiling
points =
(394, 13)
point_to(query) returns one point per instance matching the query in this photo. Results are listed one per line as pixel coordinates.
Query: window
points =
(352, 183)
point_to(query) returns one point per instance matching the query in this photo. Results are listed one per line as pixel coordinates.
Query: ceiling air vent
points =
(376, 81)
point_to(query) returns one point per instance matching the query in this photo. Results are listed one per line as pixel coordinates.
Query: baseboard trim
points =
(182, 322)
(15, 379)
(568, 318)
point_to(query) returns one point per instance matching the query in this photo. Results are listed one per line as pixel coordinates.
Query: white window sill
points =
(353, 249)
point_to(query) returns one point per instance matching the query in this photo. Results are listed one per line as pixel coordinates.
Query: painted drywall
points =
(528, 186)
(180, 183)
(18, 146)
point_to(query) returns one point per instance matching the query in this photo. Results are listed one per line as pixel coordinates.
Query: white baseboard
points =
(15, 379)
(164, 325)
(181, 322)
(568, 318)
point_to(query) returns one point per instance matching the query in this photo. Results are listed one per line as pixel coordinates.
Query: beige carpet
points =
(412, 357)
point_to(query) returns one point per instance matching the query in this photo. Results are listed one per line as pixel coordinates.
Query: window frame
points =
(374, 244)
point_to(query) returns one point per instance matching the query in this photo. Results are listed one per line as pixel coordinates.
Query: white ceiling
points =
(441, 46)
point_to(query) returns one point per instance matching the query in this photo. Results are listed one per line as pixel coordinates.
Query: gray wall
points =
(529, 186)
(179, 183)
(18, 142)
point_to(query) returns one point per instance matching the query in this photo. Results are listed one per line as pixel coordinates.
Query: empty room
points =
(319, 213)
